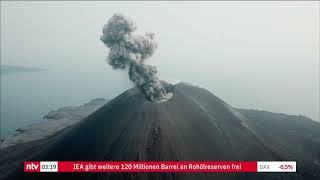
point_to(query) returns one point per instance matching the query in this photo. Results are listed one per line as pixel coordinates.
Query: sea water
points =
(27, 96)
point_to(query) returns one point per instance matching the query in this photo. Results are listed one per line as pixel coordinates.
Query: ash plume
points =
(129, 50)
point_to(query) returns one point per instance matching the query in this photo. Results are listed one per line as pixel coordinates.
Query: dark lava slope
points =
(193, 125)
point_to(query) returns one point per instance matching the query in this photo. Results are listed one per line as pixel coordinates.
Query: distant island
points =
(8, 69)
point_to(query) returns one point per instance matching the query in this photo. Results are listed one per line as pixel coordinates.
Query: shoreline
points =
(54, 121)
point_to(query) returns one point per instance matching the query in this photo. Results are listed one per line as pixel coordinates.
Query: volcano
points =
(192, 125)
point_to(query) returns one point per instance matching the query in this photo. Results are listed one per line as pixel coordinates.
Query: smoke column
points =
(130, 50)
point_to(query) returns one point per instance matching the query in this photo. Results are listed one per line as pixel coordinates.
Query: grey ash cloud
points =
(130, 50)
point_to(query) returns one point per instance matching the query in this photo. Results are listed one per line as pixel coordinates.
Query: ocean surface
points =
(27, 96)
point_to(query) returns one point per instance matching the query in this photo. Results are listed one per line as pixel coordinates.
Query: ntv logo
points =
(32, 166)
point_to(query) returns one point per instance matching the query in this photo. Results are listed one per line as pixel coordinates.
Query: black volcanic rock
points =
(192, 125)
(295, 137)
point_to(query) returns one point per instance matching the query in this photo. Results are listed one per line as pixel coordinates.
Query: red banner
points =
(137, 166)
(159, 166)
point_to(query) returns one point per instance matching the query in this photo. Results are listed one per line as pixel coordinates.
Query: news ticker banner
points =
(159, 166)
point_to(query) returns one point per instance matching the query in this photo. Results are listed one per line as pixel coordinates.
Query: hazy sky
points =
(259, 55)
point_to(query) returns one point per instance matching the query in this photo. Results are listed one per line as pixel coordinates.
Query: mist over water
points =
(255, 55)
(26, 96)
